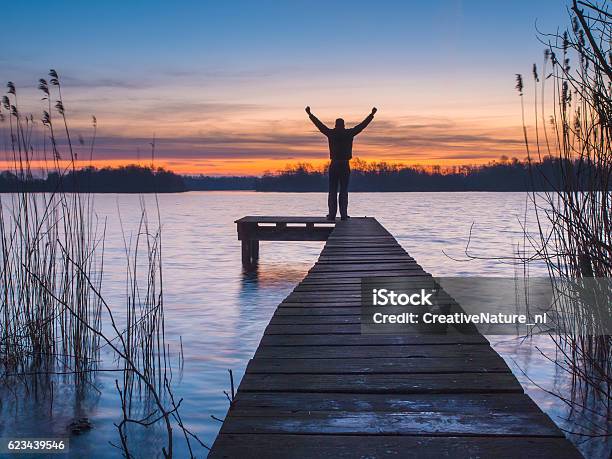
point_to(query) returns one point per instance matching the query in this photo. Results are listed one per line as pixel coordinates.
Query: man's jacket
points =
(341, 140)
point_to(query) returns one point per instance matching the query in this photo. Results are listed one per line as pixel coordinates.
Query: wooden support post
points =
(247, 233)
(254, 249)
(250, 252)
(246, 253)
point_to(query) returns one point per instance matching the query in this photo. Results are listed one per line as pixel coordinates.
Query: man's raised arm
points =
(324, 129)
(361, 126)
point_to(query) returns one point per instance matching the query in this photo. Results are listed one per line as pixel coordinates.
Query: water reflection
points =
(220, 311)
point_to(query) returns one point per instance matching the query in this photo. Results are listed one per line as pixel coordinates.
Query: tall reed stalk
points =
(574, 220)
(54, 319)
(39, 233)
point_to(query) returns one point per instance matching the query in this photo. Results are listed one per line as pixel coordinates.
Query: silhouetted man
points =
(340, 151)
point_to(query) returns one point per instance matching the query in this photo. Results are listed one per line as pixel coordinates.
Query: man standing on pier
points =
(340, 152)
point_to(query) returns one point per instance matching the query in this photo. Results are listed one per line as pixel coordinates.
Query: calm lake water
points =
(220, 312)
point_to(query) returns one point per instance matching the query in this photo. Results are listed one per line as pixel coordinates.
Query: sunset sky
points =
(223, 85)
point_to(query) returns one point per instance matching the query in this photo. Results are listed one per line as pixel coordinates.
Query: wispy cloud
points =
(441, 141)
(103, 82)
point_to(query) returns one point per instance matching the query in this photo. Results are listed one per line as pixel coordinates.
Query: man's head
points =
(339, 123)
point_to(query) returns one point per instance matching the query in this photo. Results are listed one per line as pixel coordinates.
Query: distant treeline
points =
(209, 183)
(505, 175)
(126, 179)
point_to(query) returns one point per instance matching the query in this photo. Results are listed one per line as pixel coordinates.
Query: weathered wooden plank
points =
(321, 300)
(348, 329)
(373, 267)
(353, 288)
(380, 365)
(342, 329)
(373, 234)
(365, 253)
(324, 282)
(457, 383)
(339, 329)
(511, 403)
(321, 296)
(357, 275)
(364, 250)
(367, 262)
(362, 260)
(372, 340)
(351, 241)
(283, 219)
(351, 303)
(329, 320)
(348, 288)
(304, 310)
(329, 280)
(274, 446)
(357, 246)
(323, 293)
(390, 423)
(348, 295)
(314, 320)
(439, 351)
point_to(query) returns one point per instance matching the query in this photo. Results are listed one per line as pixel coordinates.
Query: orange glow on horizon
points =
(254, 136)
(238, 167)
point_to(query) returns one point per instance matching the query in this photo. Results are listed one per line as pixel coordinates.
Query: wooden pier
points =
(318, 388)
